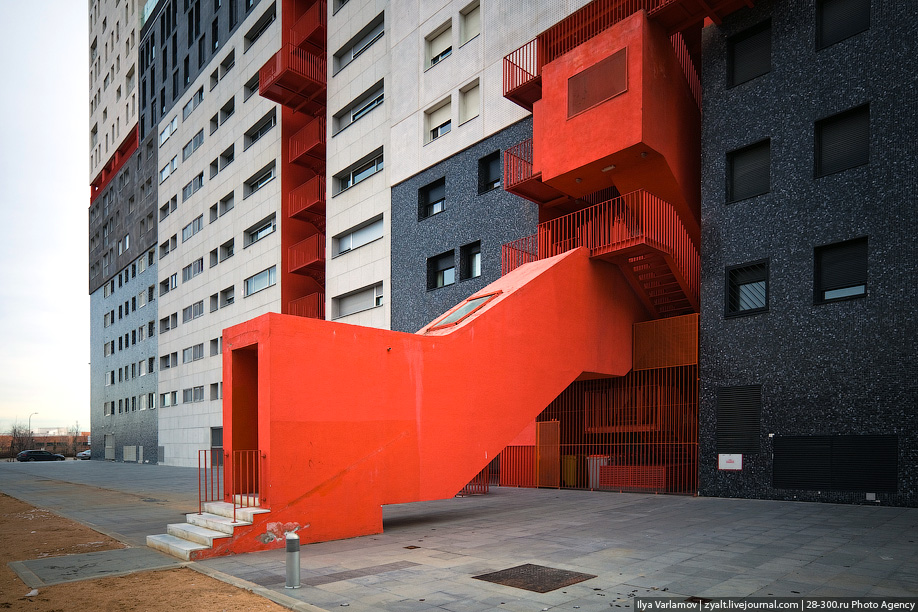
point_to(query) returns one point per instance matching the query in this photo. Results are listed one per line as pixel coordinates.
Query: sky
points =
(44, 149)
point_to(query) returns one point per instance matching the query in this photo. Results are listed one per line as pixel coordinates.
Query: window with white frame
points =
(357, 301)
(362, 170)
(168, 169)
(360, 107)
(261, 229)
(470, 22)
(469, 102)
(193, 353)
(193, 312)
(193, 103)
(260, 281)
(193, 228)
(362, 41)
(262, 127)
(358, 236)
(438, 120)
(192, 269)
(441, 270)
(259, 179)
(260, 27)
(193, 186)
(192, 145)
(439, 44)
(168, 130)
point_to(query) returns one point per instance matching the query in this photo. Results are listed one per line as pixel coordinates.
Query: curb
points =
(278, 598)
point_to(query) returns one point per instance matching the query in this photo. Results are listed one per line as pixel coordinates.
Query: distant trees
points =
(20, 438)
(75, 439)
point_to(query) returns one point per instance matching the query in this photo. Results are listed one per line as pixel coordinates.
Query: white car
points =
(83, 454)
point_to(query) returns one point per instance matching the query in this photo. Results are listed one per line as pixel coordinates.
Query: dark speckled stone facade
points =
(846, 367)
(493, 218)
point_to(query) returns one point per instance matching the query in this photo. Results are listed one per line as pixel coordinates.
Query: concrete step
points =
(225, 509)
(215, 521)
(195, 533)
(171, 545)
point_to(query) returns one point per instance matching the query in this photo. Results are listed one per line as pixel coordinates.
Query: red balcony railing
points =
(523, 75)
(517, 164)
(307, 201)
(306, 254)
(311, 306)
(294, 77)
(311, 26)
(246, 477)
(307, 146)
(688, 66)
(516, 253)
(623, 226)
(210, 476)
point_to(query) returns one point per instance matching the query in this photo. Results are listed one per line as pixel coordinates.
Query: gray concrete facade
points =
(841, 368)
(491, 217)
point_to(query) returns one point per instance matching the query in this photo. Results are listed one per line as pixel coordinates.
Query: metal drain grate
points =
(537, 578)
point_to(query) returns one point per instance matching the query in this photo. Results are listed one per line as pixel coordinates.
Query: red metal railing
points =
(293, 59)
(210, 477)
(247, 476)
(517, 164)
(516, 253)
(311, 26)
(307, 252)
(632, 219)
(309, 141)
(311, 306)
(310, 196)
(479, 485)
(521, 66)
(688, 66)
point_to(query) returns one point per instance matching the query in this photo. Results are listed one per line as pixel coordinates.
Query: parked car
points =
(84, 454)
(38, 455)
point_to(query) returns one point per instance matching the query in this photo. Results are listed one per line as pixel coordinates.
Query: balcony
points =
(521, 179)
(294, 78)
(311, 306)
(307, 147)
(310, 29)
(307, 202)
(640, 233)
(307, 257)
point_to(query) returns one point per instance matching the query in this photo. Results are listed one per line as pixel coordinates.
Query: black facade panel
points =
(836, 463)
(739, 419)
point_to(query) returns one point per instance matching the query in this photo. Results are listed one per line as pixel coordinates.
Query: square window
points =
(749, 54)
(841, 271)
(432, 199)
(748, 171)
(747, 289)
(441, 270)
(843, 141)
(470, 260)
(489, 171)
(837, 20)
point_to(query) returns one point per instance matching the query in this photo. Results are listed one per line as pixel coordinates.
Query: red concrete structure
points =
(578, 367)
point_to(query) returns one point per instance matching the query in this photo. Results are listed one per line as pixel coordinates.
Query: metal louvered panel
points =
(750, 54)
(843, 141)
(601, 81)
(841, 19)
(842, 265)
(836, 463)
(750, 171)
(739, 419)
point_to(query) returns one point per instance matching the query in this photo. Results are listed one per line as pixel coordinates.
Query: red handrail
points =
(518, 164)
(210, 477)
(247, 476)
(518, 252)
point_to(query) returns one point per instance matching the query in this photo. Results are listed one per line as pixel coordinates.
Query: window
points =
(227, 110)
(193, 312)
(469, 102)
(841, 271)
(356, 301)
(264, 125)
(739, 419)
(226, 249)
(167, 323)
(193, 353)
(193, 145)
(432, 199)
(439, 44)
(262, 280)
(167, 170)
(261, 229)
(227, 296)
(250, 88)
(438, 121)
(747, 289)
(259, 180)
(168, 361)
(362, 41)
(359, 236)
(168, 207)
(193, 394)
(363, 169)
(227, 157)
(260, 27)
(193, 103)
(360, 107)
(168, 130)
(193, 228)
(837, 20)
(168, 399)
(843, 141)
(192, 269)
(192, 187)
(748, 171)
(489, 172)
(441, 270)
(470, 24)
(749, 54)
(470, 261)
(216, 346)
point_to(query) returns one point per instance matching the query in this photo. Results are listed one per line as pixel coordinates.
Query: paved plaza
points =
(430, 552)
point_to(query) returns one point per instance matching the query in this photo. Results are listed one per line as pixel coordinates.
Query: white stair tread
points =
(216, 522)
(195, 533)
(226, 509)
(177, 547)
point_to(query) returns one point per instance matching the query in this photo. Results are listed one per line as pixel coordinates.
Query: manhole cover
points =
(536, 578)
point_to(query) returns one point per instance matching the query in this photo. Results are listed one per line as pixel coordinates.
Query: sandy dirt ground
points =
(27, 533)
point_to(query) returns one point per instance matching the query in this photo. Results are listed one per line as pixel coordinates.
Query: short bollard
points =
(293, 561)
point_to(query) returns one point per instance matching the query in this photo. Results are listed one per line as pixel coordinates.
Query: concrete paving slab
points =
(102, 564)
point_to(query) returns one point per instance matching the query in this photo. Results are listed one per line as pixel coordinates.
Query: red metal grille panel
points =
(598, 83)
